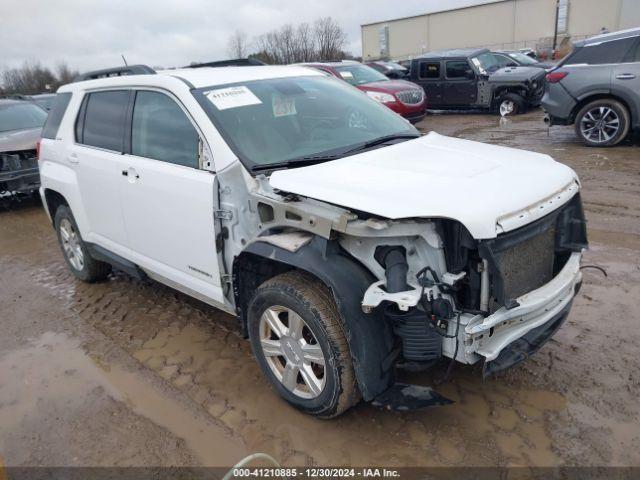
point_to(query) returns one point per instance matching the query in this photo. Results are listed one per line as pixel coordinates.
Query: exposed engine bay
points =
(447, 294)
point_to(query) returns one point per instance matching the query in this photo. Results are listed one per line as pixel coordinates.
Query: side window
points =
(430, 70)
(102, 119)
(457, 69)
(607, 52)
(634, 54)
(162, 131)
(60, 103)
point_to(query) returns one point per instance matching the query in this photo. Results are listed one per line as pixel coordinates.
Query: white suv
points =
(347, 244)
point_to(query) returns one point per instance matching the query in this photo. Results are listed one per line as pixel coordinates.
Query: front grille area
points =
(527, 258)
(528, 265)
(14, 161)
(411, 97)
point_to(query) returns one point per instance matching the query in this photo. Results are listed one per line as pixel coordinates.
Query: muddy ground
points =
(130, 373)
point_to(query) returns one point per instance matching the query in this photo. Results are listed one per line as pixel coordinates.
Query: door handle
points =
(625, 76)
(73, 158)
(132, 171)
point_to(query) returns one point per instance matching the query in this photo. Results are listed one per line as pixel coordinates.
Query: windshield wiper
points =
(296, 162)
(380, 141)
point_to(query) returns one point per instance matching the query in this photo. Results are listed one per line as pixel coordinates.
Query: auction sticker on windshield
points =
(232, 97)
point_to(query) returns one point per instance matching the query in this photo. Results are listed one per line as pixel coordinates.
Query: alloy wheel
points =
(292, 352)
(507, 107)
(71, 244)
(600, 124)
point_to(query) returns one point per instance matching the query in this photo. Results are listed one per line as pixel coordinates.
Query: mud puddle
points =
(56, 370)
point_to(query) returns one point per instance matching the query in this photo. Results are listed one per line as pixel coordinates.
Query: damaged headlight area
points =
(446, 294)
(19, 172)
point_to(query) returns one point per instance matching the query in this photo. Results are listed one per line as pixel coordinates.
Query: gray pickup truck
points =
(472, 78)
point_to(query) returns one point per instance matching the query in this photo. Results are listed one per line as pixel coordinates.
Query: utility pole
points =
(555, 27)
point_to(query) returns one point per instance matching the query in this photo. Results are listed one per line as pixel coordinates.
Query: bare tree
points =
(33, 78)
(237, 45)
(330, 39)
(324, 40)
(64, 74)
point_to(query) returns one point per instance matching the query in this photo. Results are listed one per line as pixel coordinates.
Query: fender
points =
(369, 336)
(64, 181)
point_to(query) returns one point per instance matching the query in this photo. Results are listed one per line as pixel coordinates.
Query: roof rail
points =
(116, 72)
(236, 62)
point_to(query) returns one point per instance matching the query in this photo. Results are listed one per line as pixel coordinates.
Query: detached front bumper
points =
(508, 336)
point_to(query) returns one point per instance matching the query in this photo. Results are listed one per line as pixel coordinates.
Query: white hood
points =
(437, 177)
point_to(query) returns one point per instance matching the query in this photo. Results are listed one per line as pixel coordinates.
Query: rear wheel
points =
(602, 123)
(75, 251)
(297, 338)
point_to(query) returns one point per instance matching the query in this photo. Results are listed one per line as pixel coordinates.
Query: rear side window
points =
(606, 52)
(102, 120)
(59, 106)
(162, 131)
(430, 70)
(457, 69)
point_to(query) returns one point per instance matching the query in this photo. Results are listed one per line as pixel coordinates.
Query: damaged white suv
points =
(347, 244)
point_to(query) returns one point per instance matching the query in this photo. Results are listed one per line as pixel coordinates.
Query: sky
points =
(92, 34)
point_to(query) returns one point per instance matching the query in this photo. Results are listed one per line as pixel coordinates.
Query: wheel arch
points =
(582, 101)
(53, 200)
(368, 335)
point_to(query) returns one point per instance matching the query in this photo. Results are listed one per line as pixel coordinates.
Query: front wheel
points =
(602, 123)
(511, 104)
(296, 335)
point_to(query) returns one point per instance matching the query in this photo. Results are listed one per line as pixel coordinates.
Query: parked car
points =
(391, 70)
(20, 127)
(508, 58)
(403, 97)
(463, 79)
(347, 243)
(44, 100)
(596, 88)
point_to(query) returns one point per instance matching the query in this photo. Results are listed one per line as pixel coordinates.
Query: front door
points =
(461, 87)
(168, 201)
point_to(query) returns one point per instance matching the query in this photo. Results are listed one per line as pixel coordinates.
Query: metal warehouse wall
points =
(503, 24)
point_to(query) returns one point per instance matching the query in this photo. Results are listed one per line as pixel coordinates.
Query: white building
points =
(506, 24)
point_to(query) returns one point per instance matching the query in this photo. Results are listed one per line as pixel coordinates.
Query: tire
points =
(602, 123)
(290, 357)
(75, 251)
(511, 104)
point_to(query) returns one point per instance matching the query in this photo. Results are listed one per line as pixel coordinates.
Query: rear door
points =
(97, 158)
(168, 201)
(430, 78)
(461, 84)
(625, 80)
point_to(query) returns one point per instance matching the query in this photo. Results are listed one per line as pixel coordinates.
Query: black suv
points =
(462, 79)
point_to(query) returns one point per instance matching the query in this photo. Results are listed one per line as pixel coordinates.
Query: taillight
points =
(38, 148)
(555, 77)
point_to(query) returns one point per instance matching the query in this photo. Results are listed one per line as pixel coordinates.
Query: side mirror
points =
(470, 74)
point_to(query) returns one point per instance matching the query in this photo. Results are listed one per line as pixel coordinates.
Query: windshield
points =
(522, 58)
(485, 62)
(357, 74)
(21, 116)
(291, 119)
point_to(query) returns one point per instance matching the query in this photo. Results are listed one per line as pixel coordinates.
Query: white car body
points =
(167, 219)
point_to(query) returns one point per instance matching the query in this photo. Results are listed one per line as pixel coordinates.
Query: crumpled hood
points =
(433, 177)
(16, 140)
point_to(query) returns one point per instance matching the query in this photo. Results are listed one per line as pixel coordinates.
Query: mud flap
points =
(525, 346)
(402, 397)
